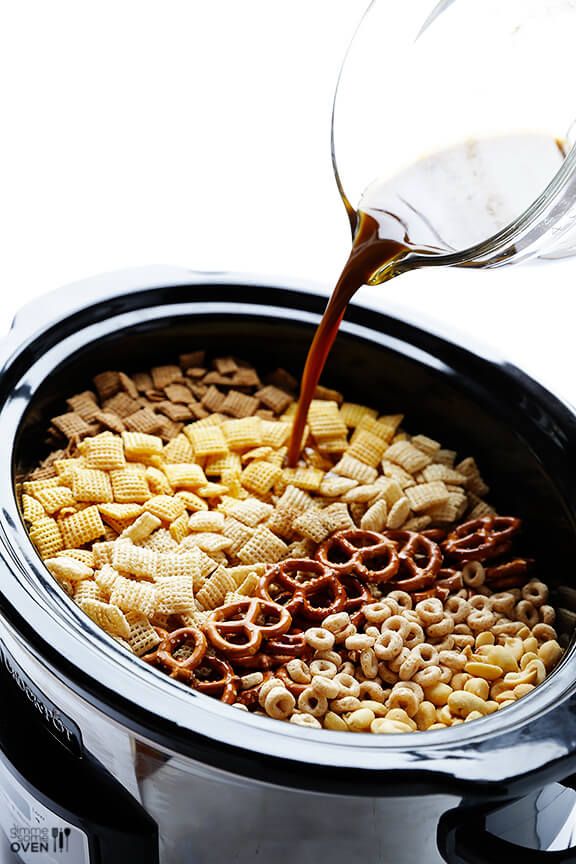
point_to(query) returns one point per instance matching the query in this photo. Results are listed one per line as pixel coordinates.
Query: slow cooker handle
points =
(464, 839)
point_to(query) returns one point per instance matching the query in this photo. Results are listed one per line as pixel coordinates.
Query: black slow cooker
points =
(105, 760)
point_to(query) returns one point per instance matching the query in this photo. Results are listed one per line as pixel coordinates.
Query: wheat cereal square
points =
(72, 426)
(144, 420)
(85, 404)
(121, 404)
(107, 384)
(239, 404)
(162, 376)
(274, 398)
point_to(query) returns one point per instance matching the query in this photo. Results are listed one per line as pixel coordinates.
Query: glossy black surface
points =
(523, 438)
(81, 792)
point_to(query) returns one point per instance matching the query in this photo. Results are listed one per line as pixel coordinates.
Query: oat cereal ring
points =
(473, 574)
(527, 613)
(428, 676)
(430, 611)
(405, 698)
(426, 653)
(536, 592)
(481, 539)
(295, 687)
(366, 554)
(402, 599)
(397, 624)
(457, 608)
(226, 625)
(378, 612)
(414, 635)
(388, 645)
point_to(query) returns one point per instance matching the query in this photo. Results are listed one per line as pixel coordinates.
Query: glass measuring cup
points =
(467, 109)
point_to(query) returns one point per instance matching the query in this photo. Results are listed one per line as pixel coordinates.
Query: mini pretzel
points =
(436, 591)
(366, 554)
(278, 651)
(449, 578)
(215, 677)
(293, 644)
(300, 581)
(419, 560)
(448, 581)
(512, 574)
(435, 534)
(358, 594)
(481, 539)
(183, 669)
(261, 661)
(226, 625)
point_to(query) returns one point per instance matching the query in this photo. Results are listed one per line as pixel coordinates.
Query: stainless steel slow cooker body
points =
(221, 784)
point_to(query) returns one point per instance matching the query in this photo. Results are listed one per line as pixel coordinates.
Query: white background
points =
(197, 133)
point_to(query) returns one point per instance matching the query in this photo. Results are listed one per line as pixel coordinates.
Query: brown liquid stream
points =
(441, 204)
(369, 254)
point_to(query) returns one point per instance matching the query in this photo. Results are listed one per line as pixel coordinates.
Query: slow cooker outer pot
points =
(496, 758)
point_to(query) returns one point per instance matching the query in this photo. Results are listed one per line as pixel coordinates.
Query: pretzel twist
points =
(304, 587)
(235, 628)
(366, 554)
(420, 560)
(481, 539)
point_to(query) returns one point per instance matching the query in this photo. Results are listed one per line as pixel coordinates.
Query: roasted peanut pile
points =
(166, 506)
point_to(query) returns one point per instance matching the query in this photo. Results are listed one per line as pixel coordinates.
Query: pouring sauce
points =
(443, 203)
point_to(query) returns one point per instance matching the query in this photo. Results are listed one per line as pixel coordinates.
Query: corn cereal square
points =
(82, 527)
(104, 451)
(206, 440)
(129, 486)
(260, 477)
(92, 486)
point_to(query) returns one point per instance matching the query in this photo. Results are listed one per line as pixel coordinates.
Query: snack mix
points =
(369, 589)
